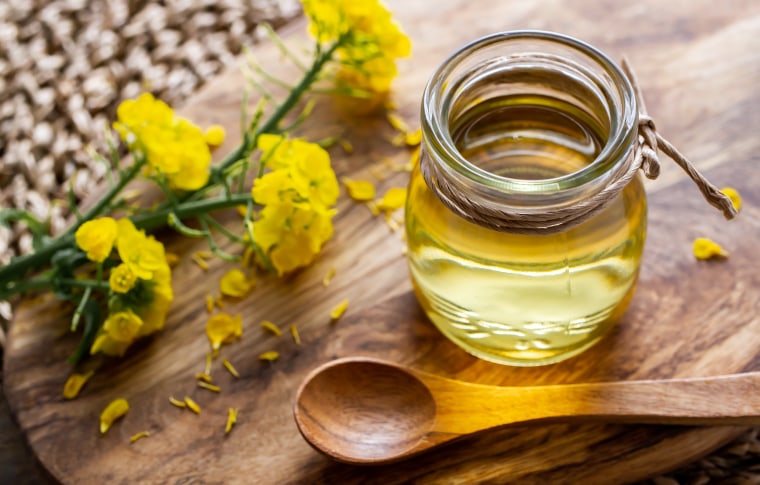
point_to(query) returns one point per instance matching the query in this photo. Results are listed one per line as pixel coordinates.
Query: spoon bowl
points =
(368, 411)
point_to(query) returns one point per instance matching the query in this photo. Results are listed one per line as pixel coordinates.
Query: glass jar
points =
(532, 123)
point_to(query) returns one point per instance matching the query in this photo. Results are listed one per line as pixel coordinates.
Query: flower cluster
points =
(140, 291)
(173, 146)
(297, 196)
(371, 40)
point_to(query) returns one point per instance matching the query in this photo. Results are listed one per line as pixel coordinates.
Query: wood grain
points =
(698, 66)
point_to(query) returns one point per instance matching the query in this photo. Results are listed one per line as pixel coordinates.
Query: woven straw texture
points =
(64, 67)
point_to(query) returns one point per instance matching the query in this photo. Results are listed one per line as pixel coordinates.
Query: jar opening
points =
(529, 112)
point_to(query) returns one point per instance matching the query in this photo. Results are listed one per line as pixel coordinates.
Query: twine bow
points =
(644, 156)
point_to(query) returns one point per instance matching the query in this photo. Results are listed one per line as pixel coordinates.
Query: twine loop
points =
(644, 156)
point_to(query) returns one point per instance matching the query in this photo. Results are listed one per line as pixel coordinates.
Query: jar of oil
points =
(533, 122)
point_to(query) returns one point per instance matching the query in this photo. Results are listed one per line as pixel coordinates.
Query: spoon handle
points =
(466, 407)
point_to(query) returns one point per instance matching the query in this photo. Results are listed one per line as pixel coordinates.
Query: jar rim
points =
(617, 145)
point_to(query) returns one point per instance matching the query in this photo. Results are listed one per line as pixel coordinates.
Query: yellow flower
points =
(371, 40)
(300, 170)
(115, 410)
(172, 146)
(122, 326)
(223, 328)
(142, 254)
(122, 279)
(96, 238)
(234, 283)
(706, 249)
(297, 195)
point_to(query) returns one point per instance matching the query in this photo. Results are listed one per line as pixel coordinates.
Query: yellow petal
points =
(234, 283)
(223, 328)
(339, 310)
(733, 194)
(138, 436)
(295, 334)
(230, 368)
(74, 384)
(271, 327)
(328, 277)
(231, 419)
(192, 405)
(398, 123)
(705, 248)
(209, 304)
(177, 402)
(394, 198)
(360, 190)
(115, 410)
(271, 355)
(413, 138)
(204, 377)
(210, 387)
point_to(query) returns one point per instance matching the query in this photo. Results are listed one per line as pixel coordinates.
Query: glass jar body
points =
(521, 299)
(534, 124)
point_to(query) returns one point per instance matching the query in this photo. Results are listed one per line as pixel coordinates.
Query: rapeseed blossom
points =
(140, 291)
(370, 40)
(298, 196)
(172, 146)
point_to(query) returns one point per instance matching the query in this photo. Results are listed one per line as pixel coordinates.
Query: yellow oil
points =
(525, 299)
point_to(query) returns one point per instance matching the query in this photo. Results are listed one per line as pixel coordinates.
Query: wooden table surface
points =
(698, 65)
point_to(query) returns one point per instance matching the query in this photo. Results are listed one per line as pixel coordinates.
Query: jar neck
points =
(551, 71)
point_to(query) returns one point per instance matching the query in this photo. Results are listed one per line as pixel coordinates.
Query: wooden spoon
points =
(367, 411)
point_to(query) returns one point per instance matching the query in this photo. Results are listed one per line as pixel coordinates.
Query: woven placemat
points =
(66, 64)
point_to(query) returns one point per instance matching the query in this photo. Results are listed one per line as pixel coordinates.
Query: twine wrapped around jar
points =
(644, 156)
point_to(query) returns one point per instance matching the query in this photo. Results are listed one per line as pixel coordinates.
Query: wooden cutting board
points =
(698, 65)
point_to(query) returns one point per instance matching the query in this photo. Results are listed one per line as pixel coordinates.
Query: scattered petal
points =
(139, 436)
(209, 304)
(223, 328)
(359, 190)
(204, 377)
(178, 403)
(339, 310)
(202, 264)
(733, 194)
(231, 420)
(74, 384)
(413, 138)
(294, 333)
(192, 405)
(207, 368)
(234, 283)
(328, 277)
(270, 356)
(210, 387)
(347, 146)
(115, 410)
(706, 249)
(214, 135)
(394, 198)
(230, 368)
(398, 123)
(271, 327)
(172, 259)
